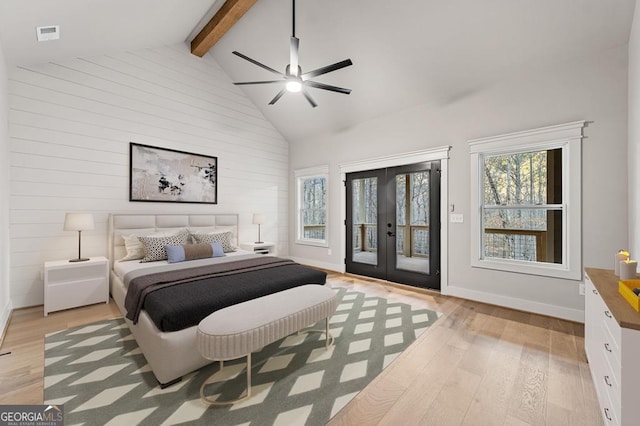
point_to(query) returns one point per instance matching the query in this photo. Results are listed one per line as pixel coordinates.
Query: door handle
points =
(391, 234)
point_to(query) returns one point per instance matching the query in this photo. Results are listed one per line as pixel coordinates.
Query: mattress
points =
(123, 268)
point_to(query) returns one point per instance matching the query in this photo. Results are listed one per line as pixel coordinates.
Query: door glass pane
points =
(412, 221)
(365, 220)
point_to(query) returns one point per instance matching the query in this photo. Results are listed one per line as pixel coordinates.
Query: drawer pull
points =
(606, 380)
(608, 314)
(606, 414)
(594, 291)
(606, 346)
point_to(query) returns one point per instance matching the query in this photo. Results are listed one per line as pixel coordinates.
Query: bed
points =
(170, 349)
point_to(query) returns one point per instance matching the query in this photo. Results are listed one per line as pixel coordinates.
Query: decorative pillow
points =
(193, 251)
(224, 238)
(135, 249)
(154, 247)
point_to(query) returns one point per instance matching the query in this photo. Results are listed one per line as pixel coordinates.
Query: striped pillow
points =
(193, 251)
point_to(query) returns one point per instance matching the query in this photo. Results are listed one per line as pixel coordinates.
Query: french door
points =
(393, 224)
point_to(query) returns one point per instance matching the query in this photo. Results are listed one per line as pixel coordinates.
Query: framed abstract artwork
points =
(166, 175)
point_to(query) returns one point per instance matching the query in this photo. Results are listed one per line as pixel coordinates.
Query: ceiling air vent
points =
(51, 32)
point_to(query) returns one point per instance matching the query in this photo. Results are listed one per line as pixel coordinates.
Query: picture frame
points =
(171, 176)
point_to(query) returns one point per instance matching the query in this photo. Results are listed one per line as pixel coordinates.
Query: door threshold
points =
(422, 290)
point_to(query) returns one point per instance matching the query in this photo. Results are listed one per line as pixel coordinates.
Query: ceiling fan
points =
(293, 78)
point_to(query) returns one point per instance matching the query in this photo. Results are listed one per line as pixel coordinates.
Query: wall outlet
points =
(581, 289)
(329, 252)
(456, 218)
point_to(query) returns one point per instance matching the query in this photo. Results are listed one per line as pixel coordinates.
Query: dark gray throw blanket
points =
(141, 286)
(205, 289)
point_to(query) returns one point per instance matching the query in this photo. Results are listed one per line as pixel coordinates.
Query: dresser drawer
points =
(612, 327)
(609, 414)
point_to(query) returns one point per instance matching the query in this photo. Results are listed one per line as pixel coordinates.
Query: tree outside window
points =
(312, 206)
(522, 206)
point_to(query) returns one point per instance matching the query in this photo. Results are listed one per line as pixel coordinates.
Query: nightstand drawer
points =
(76, 293)
(71, 284)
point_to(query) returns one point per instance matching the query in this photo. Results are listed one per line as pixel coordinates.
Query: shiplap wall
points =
(70, 127)
(5, 300)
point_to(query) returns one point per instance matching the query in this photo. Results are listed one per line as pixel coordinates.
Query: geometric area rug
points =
(98, 372)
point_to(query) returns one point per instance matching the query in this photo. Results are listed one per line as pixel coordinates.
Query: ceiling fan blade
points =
(253, 61)
(309, 98)
(293, 60)
(258, 82)
(328, 68)
(278, 96)
(327, 87)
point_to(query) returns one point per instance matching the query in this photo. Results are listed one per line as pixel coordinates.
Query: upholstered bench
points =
(238, 330)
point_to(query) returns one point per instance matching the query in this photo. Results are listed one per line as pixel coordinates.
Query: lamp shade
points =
(78, 222)
(258, 219)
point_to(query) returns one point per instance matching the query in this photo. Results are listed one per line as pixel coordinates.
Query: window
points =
(311, 202)
(526, 202)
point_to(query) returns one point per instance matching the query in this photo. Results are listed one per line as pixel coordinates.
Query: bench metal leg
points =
(328, 337)
(210, 380)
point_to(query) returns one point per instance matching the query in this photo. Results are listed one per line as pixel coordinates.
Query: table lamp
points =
(258, 219)
(79, 222)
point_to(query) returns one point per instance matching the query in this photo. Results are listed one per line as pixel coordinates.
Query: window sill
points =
(322, 243)
(529, 268)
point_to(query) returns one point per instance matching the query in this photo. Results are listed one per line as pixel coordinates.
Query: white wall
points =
(5, 300)
(593, 89)
(70, 127)
(634, 136)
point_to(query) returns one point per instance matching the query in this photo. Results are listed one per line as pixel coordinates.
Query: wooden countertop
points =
(606, 283)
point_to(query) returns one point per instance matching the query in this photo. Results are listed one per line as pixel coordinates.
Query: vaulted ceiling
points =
(405, 53)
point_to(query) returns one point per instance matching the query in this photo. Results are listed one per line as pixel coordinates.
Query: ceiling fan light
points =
(294, 86)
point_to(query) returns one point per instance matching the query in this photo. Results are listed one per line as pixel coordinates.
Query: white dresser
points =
(612, 344)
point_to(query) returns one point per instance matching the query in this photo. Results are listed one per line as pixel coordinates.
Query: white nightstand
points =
(71, 284)
(260, 248)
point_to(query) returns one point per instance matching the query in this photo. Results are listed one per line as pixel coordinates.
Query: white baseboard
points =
(555, 311)
(322, 265)
(4, 320)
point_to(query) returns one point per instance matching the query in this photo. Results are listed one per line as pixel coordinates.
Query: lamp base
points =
(258, 242)
(80, 259)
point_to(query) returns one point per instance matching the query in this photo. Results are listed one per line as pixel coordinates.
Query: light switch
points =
(456, 218)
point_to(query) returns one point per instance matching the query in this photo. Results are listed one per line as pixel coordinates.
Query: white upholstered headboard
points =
(144, 224)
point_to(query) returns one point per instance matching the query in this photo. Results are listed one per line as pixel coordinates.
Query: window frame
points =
(300, 176)
(568, 138)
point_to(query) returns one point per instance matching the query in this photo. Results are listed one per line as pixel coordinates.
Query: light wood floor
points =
(477, 365)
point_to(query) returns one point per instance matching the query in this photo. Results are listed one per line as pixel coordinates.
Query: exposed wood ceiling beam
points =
(222, 21)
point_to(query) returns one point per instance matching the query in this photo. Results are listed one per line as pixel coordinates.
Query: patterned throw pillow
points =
(154, 247)
(224, 238)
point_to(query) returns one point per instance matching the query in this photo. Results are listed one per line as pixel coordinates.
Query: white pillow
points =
(135, 248)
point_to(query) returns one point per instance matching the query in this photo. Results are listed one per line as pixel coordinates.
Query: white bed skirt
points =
(170, 355)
